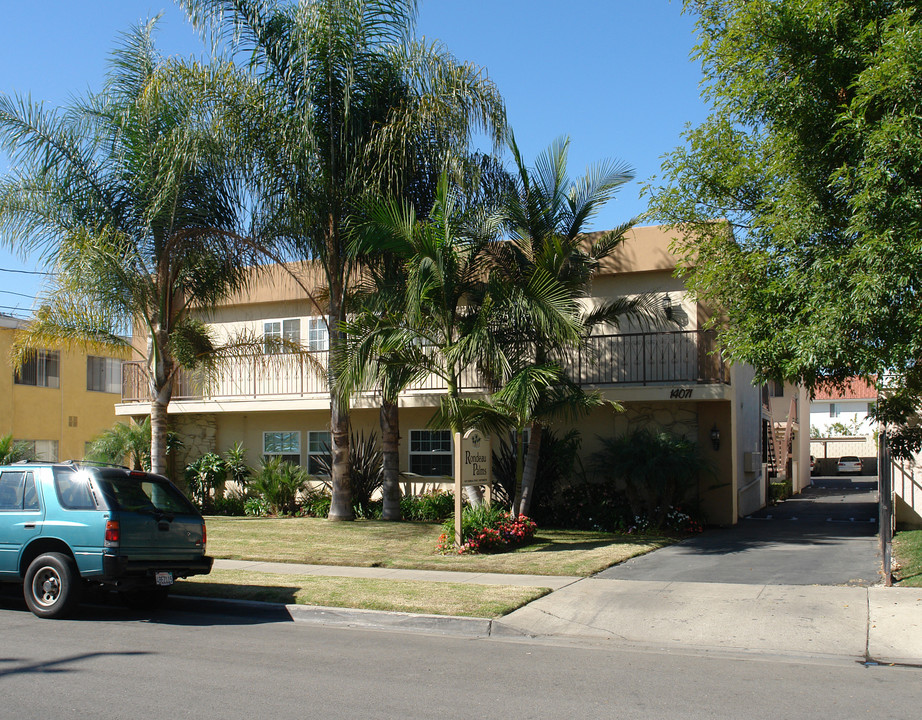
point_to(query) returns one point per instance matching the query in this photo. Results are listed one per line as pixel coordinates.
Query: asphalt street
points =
(827, 535)
(111, 663)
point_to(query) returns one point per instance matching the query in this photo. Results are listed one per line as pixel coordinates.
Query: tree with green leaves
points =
(798, 199)
(353, 105)
(130, 195)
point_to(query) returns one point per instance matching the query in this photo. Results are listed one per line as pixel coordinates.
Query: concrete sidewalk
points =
(875, 624)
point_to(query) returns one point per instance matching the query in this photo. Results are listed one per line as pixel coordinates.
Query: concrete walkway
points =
(554, 582)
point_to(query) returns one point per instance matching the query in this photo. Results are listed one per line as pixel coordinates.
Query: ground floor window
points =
(430, 452)
(44, 450)
(319, 457)
(284, 444)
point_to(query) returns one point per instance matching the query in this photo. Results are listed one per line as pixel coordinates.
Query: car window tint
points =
(144, 495)
(74, 491)
(11, 490)
(30, 494)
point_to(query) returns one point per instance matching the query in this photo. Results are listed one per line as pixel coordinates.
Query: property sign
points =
(473, 466)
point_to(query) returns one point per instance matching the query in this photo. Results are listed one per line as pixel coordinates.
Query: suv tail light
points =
(113, 533)
(204, 534)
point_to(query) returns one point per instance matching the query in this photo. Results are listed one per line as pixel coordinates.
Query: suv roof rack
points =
(94, 463)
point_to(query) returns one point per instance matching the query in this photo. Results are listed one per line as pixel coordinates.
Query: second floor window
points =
(281, 333)
(833, 410)
(42, 369)
(318, 338)
(104, 374)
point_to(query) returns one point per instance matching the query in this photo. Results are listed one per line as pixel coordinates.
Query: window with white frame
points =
(833, 410)
(284, 444)
(279, 335)
(318, 337)
(42, 368)
(319, 457)
(103, 374)
(431, 452)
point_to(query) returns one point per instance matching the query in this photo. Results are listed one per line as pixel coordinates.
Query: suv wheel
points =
(52, 585)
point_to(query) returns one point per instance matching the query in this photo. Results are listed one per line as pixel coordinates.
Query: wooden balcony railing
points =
(680, 357)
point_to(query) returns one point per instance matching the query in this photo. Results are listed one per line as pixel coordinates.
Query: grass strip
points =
(907, 554)
(374, 543)
(433, 598)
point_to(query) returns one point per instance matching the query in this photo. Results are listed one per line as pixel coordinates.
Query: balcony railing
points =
(665, 358)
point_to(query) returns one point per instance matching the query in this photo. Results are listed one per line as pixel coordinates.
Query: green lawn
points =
(371, 543)
(907, 553)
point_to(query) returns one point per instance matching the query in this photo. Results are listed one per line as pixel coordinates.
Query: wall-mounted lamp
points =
(667, 306)
(715, 437)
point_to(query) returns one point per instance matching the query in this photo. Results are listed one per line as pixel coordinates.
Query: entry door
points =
(21, 516)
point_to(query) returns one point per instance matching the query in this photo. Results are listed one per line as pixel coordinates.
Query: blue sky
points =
(613, 75)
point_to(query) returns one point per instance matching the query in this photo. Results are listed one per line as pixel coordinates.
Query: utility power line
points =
(11, 292)
(26, 272)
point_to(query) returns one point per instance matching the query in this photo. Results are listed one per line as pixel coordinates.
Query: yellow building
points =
(667, 378)
(60, 400)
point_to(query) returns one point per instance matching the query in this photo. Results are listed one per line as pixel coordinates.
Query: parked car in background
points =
(812, 464)
(850, 465)
(65, 527)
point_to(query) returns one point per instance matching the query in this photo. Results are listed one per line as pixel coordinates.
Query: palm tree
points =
(545, 218)
(131, 196)
(353, 105)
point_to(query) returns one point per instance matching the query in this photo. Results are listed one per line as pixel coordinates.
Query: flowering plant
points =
(486, 530)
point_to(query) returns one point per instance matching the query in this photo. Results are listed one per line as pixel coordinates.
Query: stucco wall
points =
(70, 414)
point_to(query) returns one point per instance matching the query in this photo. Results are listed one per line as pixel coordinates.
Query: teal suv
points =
(66, 527)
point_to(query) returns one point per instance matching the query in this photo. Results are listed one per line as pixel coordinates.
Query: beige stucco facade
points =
(64, 416)
(667, 378)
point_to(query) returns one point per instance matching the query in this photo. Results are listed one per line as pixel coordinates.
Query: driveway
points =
(827, 535)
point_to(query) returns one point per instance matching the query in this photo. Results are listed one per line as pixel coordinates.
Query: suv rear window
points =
(849, 458)
(73, 489)
(136, 494)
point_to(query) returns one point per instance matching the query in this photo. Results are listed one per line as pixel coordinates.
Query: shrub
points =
(367, 465)
(205, 477)
(236, 460)
(557, 457)
(256, 507)
(432, 506)
(14, 450)
(658, 471)
(278, 482)
(486, 529)
(315, 503)
(230, 505)
(589, 506)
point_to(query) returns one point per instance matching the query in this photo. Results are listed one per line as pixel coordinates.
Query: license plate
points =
(163, 578)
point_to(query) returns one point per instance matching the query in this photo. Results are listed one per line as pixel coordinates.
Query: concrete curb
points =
(338, 617)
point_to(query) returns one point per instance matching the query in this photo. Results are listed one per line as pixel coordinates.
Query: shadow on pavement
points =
(826, 536)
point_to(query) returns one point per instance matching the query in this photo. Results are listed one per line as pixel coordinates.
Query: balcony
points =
(636, 359)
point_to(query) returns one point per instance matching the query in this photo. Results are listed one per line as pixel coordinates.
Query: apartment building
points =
(668, 378)
(60, 399)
